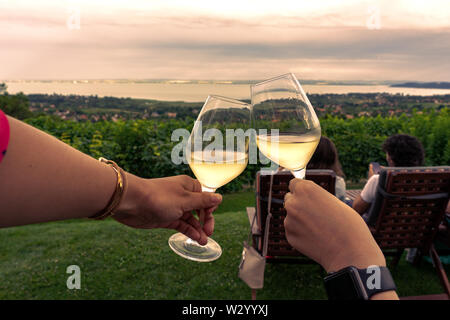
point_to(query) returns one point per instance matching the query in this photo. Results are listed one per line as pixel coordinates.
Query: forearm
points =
(43, 179)
(328, 231)
(360, 206)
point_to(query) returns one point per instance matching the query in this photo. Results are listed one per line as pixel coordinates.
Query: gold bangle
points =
(117, 195)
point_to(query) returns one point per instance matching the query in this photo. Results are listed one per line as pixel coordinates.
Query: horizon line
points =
(231, 81)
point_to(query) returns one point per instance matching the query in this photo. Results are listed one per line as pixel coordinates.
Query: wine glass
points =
(281, 106)
(217, 152)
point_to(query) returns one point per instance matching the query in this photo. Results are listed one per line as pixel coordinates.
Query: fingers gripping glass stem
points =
(191, 249)
(215, 162)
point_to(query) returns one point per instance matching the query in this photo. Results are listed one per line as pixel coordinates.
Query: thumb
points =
(201, 200)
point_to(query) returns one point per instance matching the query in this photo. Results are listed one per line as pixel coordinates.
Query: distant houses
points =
(345, 106)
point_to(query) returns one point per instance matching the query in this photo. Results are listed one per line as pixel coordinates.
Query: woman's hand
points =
(63, 183)
(327, 230)
(168, 203)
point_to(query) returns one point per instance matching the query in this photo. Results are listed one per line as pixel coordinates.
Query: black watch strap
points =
(376, 279)
(351, 283)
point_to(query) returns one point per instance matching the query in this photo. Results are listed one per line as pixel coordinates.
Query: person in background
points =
(401, 150)
(326, 157)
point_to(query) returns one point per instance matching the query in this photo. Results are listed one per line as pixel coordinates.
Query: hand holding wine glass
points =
(167, 203)
(217, 152)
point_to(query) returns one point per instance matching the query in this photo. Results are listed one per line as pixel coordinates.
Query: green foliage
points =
(359, 140)
(144, 147)
(14, 105)
(96, 145)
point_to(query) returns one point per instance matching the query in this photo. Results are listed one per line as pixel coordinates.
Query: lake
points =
(189, 92)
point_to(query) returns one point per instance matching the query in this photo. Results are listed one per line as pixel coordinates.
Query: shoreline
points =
(195, 93)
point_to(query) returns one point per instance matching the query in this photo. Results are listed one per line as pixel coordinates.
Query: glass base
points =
(190, 249)
(300, 174)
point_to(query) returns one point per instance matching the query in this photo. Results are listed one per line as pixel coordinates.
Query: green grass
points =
(118, 262)
(236, 202)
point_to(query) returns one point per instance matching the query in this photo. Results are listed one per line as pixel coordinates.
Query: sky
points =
(233, 39)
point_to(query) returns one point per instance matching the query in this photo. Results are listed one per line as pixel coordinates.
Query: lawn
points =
(118, 262)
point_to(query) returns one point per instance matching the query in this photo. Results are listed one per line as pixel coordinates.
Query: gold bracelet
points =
(117, 195)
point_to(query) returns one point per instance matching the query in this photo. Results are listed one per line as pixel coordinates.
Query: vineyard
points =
(144, 147)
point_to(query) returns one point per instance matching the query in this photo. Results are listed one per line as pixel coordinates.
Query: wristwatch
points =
(352, 283)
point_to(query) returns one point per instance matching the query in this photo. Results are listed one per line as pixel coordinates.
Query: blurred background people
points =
(326, 157)
(401, 150)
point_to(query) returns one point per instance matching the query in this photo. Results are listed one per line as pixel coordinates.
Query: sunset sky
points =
(245, 39)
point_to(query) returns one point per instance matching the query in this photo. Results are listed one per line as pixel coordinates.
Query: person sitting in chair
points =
(326, 157)
(401, 151)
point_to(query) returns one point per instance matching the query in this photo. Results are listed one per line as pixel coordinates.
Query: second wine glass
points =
(217, 152)
(287, 128)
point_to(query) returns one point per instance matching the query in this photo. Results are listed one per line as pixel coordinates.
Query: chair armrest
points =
(251, 212)
(352, 194)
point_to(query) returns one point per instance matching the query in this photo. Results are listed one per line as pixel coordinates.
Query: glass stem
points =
(201, 214)
(206, 189)
(299, 174)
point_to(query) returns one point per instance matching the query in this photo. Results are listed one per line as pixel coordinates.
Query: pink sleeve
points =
(4, 134)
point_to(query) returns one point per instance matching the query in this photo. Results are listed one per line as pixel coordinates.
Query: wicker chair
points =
(279, 250)
(409, 206)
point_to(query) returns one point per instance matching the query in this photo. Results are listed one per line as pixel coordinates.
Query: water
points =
(189, 92)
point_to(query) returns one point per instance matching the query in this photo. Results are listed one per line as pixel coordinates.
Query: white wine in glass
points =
(216, 156)
(216, 170)
(287, 128)
(289, 151)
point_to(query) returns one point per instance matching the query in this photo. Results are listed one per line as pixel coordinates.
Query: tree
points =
(2, 87)
(15, 105)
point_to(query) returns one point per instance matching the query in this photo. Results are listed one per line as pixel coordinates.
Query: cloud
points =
(139, 41)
